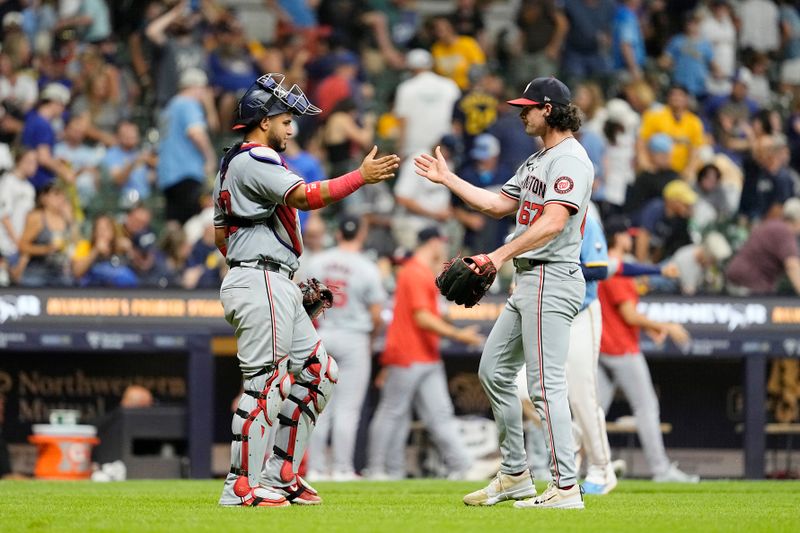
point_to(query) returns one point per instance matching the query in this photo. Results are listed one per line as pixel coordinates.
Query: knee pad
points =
(259, 408)
(275, 390)
(319, 376)
(309, 395)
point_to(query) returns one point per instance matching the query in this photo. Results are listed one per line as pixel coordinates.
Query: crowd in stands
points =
(113, 116)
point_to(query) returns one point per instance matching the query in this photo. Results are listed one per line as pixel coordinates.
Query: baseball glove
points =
(316, 297)
(464, 280)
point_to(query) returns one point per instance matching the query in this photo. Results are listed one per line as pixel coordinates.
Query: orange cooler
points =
(65, 451)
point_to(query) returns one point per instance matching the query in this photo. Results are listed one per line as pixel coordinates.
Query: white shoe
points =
(344, 475)
(675, 475)
(480, 470)
(503, 487)
(599, 481)
(379, 475)
(620, 467)
(317, 475)
(554, 498)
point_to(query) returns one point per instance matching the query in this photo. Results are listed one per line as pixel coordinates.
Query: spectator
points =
(340, 85)
(186, 157)
(759, 26)
(657, 25)
(143, 51)
(767, 183)
(421, 202)
(717, 27)
(130, 167)
(619, 132)
(588, 96)
(760, 85)
(303, 163)
(82, 159)
(231, 66)
(137, 228)
(101, 101)
(664, 223)
(418, 131)
(716, 202)
(171, 257)
(628, 43)
(102, 261)
(468, 20)
(413, 373)
(39, 134)
(45, 242)
(17, 199)
(515, 145)
(533, 46)
(480, 231)
(453, 54)
(205, 266)
(769, 253)
(678, 122)
(92, 21)
(18, 89)
(731, 116)
(622, 363)
(650, 184)
(174, 33)
(476, 111)
(341, 133)
(588, 44)
(700, 265)
(690, 58)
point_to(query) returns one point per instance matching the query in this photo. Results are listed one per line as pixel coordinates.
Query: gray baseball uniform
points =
(274, 334)
(345, 330)
(534, 326)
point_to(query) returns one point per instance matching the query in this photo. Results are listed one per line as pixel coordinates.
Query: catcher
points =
(257, 229)
(549, 195)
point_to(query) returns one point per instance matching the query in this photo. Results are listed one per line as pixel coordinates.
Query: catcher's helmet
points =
(267, 97)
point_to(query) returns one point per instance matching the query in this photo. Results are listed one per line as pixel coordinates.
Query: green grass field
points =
(408, 506)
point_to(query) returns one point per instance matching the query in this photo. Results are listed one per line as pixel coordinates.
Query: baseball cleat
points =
(675, 475)
(299, 492)
(503, 487)
(554, 498)
(600, 482)
(263, 497)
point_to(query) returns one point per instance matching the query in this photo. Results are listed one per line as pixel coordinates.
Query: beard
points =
(276, 143)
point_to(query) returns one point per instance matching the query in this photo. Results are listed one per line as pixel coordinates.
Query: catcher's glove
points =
(464, 280)
(316, 297)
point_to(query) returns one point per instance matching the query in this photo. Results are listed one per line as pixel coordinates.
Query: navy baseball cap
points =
(543, 91)
(349, 226)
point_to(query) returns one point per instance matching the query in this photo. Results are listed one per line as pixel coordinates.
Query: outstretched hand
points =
(374, 170)
(433, 168)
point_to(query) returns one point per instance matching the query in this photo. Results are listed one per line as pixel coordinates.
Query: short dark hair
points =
(565, 117)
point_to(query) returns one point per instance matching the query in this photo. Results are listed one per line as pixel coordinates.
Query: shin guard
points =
(309, 394)
(257, 411)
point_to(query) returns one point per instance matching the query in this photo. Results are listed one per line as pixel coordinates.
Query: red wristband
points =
(345, 185)
(314, 195)
(338, 188)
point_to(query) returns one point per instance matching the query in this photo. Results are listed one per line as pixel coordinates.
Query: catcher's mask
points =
(267, 97)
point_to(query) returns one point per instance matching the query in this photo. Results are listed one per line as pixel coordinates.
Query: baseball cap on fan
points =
(543, 91)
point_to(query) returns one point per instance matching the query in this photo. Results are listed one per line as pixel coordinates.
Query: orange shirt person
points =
(413, 373)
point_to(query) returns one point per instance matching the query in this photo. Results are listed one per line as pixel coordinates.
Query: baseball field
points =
(405, 506)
